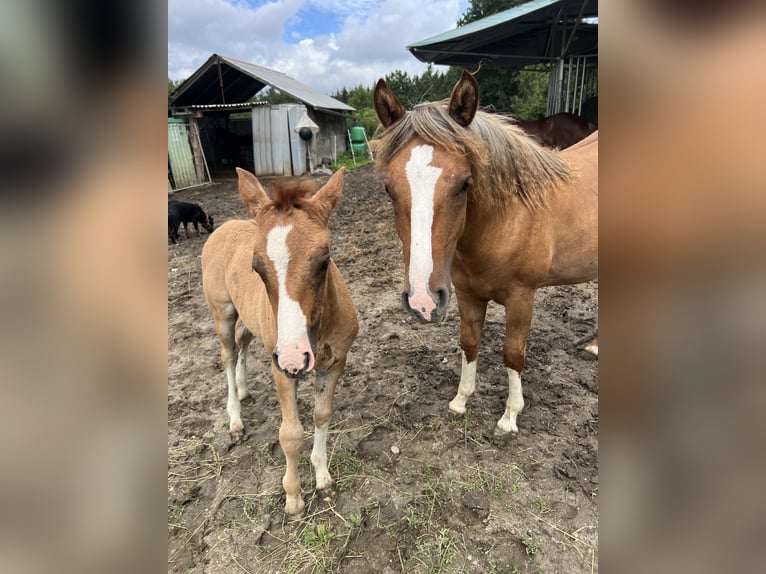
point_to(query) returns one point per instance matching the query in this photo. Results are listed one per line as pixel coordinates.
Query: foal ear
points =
(325, 199)
(464, 99)
(251, 191)
(387, 105)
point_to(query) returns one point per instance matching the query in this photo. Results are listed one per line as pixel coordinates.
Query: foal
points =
(275, 274)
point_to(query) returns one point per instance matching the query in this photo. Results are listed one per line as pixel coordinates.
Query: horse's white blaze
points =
(466, 387)
(292, 330)
(513, 406)
(422, 178)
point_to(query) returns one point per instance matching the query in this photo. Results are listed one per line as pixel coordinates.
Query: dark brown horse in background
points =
(559, 130)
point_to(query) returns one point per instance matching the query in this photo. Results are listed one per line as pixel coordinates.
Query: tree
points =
(482, 8)
(520, 92)
(172, 87)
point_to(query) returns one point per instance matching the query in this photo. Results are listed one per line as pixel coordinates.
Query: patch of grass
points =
(316, 536)
(486, 482)
(540, 505)
(175, 512)
(347, 160)
(530, 546)
(344, 465)
(436, 552)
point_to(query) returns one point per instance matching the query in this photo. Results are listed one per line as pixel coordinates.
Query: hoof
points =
(592, 349)
(328, 493)
(456, 408)
(501, 431)
(236, 437)
(294, 510)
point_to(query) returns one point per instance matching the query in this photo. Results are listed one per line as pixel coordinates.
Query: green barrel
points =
(358, 140)
(357, 135)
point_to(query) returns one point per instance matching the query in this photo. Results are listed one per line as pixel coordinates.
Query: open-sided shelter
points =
(236, 131)
(560, 34)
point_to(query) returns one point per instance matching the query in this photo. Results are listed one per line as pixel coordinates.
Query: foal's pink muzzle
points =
(295, 359)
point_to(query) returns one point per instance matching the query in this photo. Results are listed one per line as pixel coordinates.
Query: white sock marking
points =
(513, 405)
(466, 387)
(319, 457)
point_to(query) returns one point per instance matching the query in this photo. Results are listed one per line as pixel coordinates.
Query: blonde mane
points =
(503, 158)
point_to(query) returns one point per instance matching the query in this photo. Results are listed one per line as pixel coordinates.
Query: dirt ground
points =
(418, 489)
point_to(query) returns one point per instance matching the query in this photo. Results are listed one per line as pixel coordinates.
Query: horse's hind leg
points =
(592, 347)
(224, 326)
(242, 339)
(324, 394)
(518, 318)
(472, 313)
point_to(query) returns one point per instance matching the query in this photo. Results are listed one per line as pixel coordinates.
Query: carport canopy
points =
(540, 31)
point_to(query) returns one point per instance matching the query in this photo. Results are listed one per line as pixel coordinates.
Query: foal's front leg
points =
(472, 314)
(291, 440)
(324, 394)
(518, 318)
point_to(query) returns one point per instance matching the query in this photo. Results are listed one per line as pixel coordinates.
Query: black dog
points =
(181, 212)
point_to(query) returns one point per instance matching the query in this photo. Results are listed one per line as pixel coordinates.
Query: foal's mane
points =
(290, 193)
(503, 158)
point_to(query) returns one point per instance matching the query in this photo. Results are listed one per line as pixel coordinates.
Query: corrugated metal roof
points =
(225, 80)
(516, 37)
(242, 105)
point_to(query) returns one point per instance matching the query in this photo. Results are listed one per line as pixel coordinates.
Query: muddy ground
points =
(454, 498)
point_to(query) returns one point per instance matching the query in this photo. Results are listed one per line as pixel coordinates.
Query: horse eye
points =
(466, 185)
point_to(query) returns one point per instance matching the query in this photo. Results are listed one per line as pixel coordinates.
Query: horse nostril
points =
(305, 361)
(443, 295)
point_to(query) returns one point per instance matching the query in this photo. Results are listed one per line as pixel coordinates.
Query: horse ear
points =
(251, 191)
(464, 100)
(387, 105)
(325, 199)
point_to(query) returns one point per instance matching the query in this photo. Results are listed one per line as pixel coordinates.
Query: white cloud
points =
(370, 44)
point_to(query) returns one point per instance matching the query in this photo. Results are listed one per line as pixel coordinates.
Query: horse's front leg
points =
(324, 394)
(518, 318)
(472, 314)
(291, 440)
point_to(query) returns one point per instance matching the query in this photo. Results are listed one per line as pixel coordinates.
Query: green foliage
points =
(172, 87)
(346, 160)
(316, 536)
(482, 8)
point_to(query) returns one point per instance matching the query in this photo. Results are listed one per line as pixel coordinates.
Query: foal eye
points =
(466, 186)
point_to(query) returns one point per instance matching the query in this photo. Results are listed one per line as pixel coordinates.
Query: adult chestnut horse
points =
(479, 202)
(559, 130)
(275, 274)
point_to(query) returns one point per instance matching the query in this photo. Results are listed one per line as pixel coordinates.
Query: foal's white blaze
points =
(292, 331)
(466, 387)
(513, 406)
(422, 178)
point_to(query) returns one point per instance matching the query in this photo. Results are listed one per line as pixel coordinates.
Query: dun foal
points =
(274, 273)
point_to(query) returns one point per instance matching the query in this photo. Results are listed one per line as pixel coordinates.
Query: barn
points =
(215, 124)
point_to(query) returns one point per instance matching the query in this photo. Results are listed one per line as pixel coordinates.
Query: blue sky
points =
(327, 44)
